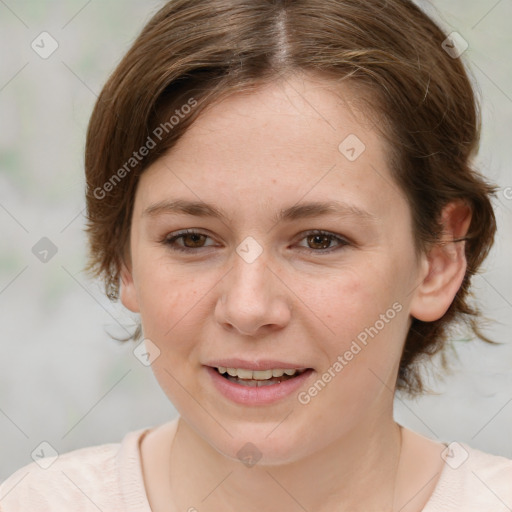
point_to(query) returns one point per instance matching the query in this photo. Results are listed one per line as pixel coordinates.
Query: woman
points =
(283, 190)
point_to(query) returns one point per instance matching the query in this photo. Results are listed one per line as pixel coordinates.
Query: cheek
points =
(168, 297)
(366, 313)
(352, 298)
(369, 324)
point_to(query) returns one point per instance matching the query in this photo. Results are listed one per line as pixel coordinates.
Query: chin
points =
(258, 444)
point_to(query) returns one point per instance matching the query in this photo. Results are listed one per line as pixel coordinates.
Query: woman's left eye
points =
(322, 240)
(191, 240)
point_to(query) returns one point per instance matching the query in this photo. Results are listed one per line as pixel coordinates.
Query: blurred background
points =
(63, 379)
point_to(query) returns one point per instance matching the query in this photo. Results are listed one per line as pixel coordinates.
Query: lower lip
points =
(257, 395)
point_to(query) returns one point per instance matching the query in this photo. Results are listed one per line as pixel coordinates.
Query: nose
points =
(253, 299)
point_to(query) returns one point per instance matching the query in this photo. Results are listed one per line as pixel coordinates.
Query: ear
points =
(444, 266)
(128, 293)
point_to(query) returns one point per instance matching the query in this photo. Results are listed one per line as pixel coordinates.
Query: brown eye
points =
(195, 239)
(320, 242)
(190, 240)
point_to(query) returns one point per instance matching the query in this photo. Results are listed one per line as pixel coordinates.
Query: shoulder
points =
(472, 480)
(88, 479)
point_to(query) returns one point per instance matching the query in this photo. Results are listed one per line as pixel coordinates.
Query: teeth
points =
(252, 383)
(242, 373)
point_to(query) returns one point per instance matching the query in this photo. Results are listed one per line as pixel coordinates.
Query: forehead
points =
(293, 116)
(301, 138)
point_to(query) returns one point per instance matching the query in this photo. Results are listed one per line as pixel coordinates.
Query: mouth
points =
(257, 383)
(259, 378)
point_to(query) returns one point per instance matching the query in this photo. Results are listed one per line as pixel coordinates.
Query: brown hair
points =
(195, 52)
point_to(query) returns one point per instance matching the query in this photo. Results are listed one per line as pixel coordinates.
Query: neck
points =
(358, 473)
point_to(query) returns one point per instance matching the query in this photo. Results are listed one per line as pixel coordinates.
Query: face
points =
(300, 255)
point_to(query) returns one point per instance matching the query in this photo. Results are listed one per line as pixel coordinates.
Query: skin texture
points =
(252, 155)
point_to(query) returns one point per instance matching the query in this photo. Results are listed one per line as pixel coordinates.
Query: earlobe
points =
(128, 293)
(444, 267)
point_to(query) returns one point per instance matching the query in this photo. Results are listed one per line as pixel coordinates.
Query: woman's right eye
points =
(191, 240)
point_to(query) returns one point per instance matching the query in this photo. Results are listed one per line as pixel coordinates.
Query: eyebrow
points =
(295, 212)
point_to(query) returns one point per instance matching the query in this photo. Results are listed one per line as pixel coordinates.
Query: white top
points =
(109, 478)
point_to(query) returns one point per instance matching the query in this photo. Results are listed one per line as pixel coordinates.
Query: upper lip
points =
(262, 364)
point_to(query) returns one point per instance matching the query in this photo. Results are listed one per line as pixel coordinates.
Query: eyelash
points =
(170, 240)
